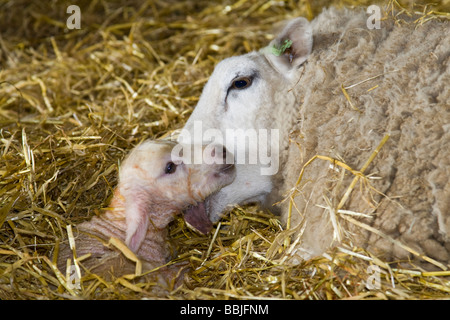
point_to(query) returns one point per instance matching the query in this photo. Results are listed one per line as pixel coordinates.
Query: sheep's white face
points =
(249, 92)
(156, 185)
(236, 90)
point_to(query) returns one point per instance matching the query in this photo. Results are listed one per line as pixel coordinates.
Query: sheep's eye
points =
(241, 83)
(170, 168)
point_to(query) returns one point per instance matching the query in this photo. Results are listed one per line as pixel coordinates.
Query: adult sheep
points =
(335, 88)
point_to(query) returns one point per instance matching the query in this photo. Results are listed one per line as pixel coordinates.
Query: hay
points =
(73, 102)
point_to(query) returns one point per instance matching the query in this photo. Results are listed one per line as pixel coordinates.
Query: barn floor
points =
(73, 102)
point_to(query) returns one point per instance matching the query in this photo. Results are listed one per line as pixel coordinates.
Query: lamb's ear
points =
(137, 221)
(292, 46)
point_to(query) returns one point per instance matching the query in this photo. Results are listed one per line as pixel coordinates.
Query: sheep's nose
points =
(224, 154)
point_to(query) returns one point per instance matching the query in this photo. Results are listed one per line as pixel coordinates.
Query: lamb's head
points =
(157, 181)
(250, 92)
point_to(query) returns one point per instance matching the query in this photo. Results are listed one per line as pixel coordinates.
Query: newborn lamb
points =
(154, 186)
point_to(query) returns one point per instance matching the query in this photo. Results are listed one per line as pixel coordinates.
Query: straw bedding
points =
(74, 102)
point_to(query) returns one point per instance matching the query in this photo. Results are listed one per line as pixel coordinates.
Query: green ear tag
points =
(278, 51)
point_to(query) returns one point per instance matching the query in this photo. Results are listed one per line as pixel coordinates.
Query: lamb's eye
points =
(170, 168)
(241, 83)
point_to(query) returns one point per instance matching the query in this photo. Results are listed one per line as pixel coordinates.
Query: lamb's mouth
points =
(197, 218)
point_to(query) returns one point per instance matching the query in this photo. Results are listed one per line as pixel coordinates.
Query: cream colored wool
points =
(408, 67)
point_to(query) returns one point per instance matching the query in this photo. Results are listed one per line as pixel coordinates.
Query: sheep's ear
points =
(292, 46)
(137, 221)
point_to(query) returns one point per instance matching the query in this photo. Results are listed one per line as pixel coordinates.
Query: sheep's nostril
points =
(224, 153)
(221, 153)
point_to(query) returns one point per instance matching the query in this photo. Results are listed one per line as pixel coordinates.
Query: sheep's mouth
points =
(197, 218)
